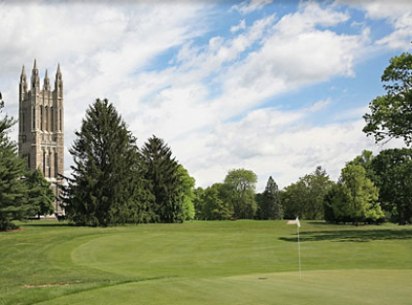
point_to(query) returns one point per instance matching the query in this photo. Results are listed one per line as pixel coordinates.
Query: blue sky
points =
(277, 87)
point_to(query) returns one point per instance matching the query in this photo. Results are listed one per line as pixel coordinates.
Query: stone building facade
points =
(41, 128)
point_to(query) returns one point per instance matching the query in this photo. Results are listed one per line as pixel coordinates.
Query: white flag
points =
(294, 222)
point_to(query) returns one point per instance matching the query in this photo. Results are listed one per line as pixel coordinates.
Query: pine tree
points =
(13, 191)
(162, 171)
(107, 186)
(269, 205)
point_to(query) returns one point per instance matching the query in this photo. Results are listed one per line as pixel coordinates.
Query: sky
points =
(276, 87)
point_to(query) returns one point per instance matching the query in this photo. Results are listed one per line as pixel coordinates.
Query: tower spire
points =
(23, 75)
(35, 79)
(58, 84)
(46, 85)
(23, 83)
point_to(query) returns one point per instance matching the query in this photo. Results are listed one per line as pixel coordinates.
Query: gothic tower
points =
(41, 126)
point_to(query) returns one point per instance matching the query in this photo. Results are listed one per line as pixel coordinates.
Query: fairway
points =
(233, 262)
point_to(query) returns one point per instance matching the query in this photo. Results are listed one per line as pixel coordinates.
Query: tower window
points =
(56, 164)
(52, 118)
(41, 117)
(34, 117)
(44, 163)
(48, 164)
(22, 122)
(46, 118)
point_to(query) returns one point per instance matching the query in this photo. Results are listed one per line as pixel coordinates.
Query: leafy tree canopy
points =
(240, 187)
(354, 198)
(187, 183)
(393, 168)
(305, 198)
(391, 114)
(40, 194)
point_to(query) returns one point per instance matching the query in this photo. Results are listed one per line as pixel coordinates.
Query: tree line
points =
(116, 182)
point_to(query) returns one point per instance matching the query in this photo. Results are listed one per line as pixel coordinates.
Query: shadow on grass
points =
(352, 235)
(45, 223)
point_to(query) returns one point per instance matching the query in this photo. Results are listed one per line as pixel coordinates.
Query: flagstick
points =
(300, 268)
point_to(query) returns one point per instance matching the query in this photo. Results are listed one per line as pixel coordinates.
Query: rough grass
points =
(235, 262)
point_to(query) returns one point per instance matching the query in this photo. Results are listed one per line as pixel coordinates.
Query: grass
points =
(234, 262)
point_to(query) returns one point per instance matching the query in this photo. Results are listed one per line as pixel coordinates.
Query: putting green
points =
(316, 287)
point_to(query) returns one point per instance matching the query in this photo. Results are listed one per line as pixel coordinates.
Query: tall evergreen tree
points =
(162, 172)
(13, 191)
(107, 186)
(269, 205)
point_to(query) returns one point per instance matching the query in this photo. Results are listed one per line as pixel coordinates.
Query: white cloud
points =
(206, 101)
(238, 27)
(250, 6)
(398, 13)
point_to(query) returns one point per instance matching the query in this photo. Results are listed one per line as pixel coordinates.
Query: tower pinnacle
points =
(46, 85)
(35, 80)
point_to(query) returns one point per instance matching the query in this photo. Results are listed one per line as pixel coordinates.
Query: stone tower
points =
(41, 126)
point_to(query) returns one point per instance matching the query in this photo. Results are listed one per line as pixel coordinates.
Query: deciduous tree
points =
(40, 195)
(240, 185)
(354, 199)
(391, 114)
(305, 198)
(393, 168)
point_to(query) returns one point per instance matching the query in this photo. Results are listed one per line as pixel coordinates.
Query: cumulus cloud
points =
(250, 6)
(398, 13)
(238, 27)
(213, 97)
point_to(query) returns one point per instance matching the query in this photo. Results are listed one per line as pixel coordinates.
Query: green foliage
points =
(269, 205)
(365, 160)
(40, 194)
(187, 183)
(239, 188)
(107, 186)
(305, 198)
(211, 205)
(13, 191)
(391, 114)
(393, 168)
(198, 202)
(354, 199)
(162, 172)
